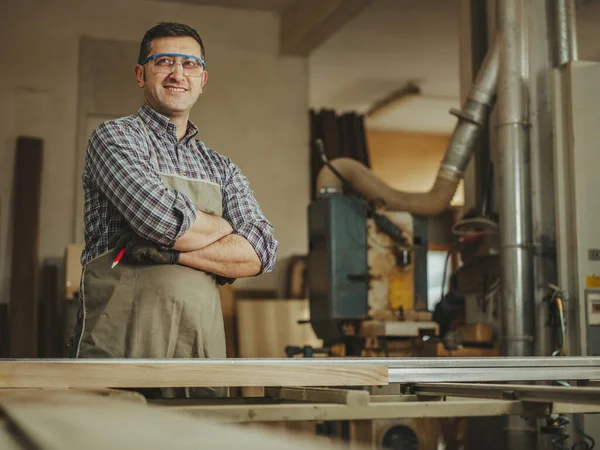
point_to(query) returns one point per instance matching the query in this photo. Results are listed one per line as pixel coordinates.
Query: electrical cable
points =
(450, 252)
(357, 195)
(321, 150)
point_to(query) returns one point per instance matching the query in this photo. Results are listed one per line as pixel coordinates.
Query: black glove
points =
(224, 280)
(140, 250)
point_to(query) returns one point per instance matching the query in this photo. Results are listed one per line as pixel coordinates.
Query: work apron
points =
(154, 311)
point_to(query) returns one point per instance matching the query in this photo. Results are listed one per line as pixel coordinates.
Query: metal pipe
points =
(541, 60)
(515, 213)
(566, 32)
(472, 118)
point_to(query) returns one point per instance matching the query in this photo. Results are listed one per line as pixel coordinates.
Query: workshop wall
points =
(254, 109)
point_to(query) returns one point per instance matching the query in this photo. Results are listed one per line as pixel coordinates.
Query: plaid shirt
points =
(122, 185)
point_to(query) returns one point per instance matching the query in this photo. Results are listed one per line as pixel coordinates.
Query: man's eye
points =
(163, 62)
(190, 63)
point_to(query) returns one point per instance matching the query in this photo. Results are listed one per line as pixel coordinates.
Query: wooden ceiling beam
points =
(306, 24)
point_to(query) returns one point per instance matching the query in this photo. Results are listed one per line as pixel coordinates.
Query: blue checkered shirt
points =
(122, 186)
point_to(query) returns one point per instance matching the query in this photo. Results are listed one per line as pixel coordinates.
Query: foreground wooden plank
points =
(141, 374)
(7, 439)
(71, 420)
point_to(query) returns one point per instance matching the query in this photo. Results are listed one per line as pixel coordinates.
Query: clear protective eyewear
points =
(192, 66)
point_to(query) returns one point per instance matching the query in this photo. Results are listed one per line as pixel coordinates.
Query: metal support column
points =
(515, 213)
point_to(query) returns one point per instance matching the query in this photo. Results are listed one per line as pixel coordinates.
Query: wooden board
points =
(7, 440)
(72, 269)
(4, 331)
(197, 373)
(25, 267)
(350, 397)
(256, 340)
(70, 420)
(379, 328)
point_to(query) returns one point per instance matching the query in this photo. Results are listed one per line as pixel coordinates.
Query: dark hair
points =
(167, 29)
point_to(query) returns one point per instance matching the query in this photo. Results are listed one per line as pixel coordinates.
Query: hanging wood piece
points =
(23, 313)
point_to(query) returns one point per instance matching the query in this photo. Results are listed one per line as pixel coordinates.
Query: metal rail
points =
(480, 374)
(545, 394)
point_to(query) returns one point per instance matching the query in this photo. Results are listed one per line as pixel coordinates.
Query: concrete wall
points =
(254, 109)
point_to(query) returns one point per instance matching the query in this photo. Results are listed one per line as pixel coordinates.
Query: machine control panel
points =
(592, 300)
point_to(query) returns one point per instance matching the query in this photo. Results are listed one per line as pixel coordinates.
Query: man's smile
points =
(175, 89)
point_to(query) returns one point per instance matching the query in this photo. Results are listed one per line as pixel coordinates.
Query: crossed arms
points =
(238, 245)
(209, 245)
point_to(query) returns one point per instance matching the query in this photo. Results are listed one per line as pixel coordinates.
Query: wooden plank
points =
(227, 293)
(72, 269)
(306, 24)
(245, 413)
(8, 441)
(121, 394)
(4, 331)
(287, 412)
(25, 238)
(392, 398)
(70, 420)
(373, 328)
(51, 310)
(350, 397)
(174, 373)
(257, 341)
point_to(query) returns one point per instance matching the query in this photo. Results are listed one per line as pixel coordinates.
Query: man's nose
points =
(177, 73)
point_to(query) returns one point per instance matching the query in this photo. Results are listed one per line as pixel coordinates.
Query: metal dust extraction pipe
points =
(472, 119)
(566, 30)
(518, 323)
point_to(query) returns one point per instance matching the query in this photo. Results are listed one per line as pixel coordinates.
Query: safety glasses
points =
(165, 63)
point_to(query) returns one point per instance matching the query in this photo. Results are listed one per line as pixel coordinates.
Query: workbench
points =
(61, 403)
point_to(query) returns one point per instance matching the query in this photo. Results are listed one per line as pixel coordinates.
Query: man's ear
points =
(139, 75)
(204, 78)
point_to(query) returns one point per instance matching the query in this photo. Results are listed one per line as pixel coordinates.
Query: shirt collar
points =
(161, 124)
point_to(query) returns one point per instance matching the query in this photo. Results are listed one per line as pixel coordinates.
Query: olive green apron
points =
(154, 311)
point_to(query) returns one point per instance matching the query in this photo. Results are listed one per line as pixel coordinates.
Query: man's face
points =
(171, 94)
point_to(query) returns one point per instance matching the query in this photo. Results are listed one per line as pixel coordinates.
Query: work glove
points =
(224, 280)
(139, 250)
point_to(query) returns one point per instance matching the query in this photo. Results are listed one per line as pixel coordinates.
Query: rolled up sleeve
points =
(242, 210)
(120, 165)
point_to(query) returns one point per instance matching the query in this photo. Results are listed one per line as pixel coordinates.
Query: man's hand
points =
(139, 250)
(224, 280)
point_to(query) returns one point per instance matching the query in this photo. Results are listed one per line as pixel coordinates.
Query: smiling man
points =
(185, 216)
